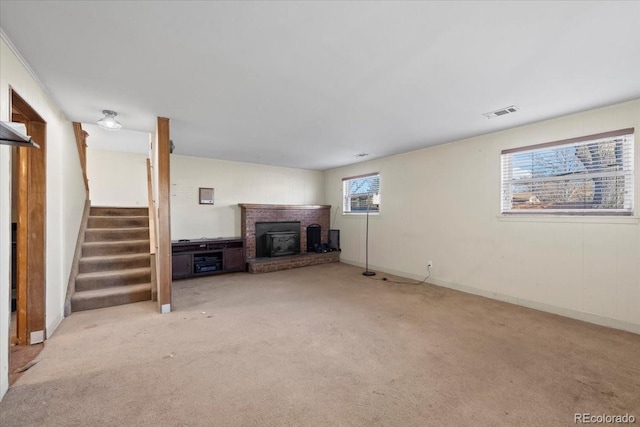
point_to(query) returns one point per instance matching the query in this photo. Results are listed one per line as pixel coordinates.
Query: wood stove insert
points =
(275, 239)
(281, 243)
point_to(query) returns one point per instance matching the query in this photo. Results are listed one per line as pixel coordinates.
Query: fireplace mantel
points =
(266, 206)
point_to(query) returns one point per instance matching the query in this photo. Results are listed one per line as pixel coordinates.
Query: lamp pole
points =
(366, 271)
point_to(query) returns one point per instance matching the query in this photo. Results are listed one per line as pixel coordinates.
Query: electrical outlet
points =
(429, 264)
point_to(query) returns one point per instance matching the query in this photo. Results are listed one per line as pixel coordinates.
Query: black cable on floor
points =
(384, 279)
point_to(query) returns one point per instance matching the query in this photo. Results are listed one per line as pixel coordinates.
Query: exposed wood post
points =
(81, 143)
(152, 233)
(22, 267)
(163, 256)
(33, 212)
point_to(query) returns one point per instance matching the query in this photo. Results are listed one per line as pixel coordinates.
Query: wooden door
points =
(181, 266)
(234, 259)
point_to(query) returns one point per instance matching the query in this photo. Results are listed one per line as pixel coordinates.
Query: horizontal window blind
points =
(590, 175)
(361, 193)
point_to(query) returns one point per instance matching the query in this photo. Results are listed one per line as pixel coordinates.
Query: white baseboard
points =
(560, 311)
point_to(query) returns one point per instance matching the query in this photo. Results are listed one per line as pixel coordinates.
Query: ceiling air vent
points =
(501, 112)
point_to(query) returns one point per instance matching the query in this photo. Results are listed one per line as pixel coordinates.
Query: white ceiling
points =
(131, 141)
(312, 84)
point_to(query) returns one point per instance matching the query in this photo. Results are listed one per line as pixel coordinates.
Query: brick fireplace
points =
(250, 214)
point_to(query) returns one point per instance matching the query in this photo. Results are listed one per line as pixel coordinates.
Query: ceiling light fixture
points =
(109, 121)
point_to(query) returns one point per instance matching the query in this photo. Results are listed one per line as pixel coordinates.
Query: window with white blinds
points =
(361, 193)
(591, 175)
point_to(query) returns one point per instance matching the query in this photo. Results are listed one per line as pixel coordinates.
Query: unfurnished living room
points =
(319, 213)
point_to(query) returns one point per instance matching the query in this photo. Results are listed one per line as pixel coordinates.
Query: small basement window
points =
(361, 194)
(591, 175)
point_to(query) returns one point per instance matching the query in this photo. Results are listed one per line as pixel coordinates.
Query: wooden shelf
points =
(9, 136)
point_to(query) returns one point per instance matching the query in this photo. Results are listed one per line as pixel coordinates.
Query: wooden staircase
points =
(114, 268)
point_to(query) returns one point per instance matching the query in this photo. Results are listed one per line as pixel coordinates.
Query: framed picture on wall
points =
(206, 196)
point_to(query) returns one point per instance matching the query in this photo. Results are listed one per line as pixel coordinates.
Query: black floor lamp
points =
(375, 200)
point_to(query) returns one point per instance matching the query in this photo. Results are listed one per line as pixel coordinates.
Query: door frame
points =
(31, 228)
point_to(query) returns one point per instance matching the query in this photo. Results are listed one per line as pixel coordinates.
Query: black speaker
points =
(334, 240)
(313, 237)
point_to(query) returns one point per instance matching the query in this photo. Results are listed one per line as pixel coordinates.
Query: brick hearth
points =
(306, 214)
(267, 265)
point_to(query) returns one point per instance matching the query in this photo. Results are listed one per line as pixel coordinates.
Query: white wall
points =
(233, 183)
(5, 263)
(116, 178)
(65, 199)
(443, 204)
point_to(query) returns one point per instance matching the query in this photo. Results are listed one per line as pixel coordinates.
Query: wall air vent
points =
(501, 112)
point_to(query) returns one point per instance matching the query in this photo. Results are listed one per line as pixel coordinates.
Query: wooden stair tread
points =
(117, 242)
(111, 229)
(119, 216)
(119, 208)
(118, 290)
(113, 273)
(117, 257)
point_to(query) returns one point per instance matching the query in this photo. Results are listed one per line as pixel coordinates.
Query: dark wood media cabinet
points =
(200, 257)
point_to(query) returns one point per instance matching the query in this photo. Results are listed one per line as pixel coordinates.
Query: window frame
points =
(347, 197)
(628, 172)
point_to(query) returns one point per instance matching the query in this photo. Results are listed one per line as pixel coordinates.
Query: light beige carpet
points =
(325, 346)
